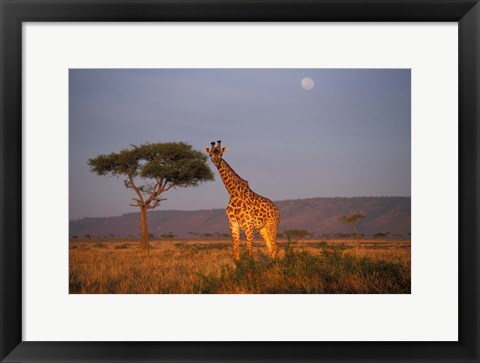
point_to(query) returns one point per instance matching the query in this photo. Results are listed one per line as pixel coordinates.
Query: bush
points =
(296, 234)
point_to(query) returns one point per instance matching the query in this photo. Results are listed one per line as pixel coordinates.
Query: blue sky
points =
(347, 136)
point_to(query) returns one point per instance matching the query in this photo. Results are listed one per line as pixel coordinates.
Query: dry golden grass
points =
(185, 267)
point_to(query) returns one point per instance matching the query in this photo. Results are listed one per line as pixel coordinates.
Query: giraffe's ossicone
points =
(246, 209)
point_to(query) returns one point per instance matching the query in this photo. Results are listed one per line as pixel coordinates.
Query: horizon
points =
(311, 131)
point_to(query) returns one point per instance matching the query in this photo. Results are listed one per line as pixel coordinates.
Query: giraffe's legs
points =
(269, 234)
(249, 235)
(235, 231)
(266, 237)
(273, 239)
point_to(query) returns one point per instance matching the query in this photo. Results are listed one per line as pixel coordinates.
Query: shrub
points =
(296, 234)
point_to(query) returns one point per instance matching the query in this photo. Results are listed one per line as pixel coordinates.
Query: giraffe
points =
(246, 209)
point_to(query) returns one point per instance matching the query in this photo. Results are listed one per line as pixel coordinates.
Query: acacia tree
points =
(353, 219)
(153, 169)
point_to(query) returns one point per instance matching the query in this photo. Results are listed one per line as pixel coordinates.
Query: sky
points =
(345, 132)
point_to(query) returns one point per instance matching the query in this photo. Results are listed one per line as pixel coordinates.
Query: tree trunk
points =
(357, 234)
(144, 228)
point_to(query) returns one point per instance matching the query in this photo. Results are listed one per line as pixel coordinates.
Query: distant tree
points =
(151, 170)
(296, 234)
(353, 220)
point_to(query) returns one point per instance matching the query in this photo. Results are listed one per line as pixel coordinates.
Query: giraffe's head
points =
(216, 152)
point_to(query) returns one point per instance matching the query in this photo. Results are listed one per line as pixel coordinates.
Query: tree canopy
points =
(175, 162)
(163, 166)
(354, 218)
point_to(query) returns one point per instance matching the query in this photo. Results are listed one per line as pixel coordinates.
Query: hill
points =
(320, 216)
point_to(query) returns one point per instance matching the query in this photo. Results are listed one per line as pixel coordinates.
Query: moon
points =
(307, 83)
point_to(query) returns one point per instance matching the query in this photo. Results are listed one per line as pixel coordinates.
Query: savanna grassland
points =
(206, 267)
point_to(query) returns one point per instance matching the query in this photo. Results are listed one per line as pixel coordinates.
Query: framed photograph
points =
(239, 181)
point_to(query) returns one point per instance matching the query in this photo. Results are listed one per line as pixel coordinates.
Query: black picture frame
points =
(14, 12)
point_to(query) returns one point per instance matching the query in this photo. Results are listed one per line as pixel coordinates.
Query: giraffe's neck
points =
(232, 181)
